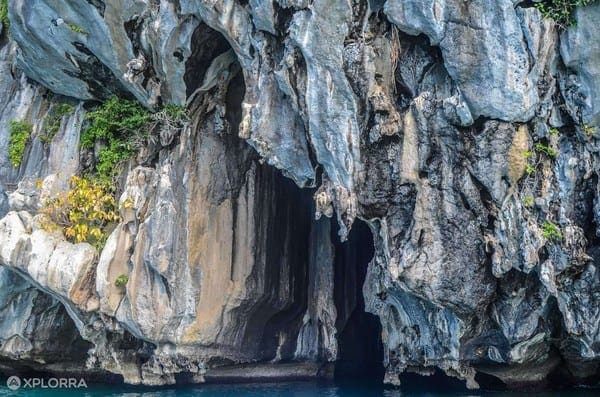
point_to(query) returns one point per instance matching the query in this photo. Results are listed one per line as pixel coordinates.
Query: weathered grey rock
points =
(3, 202)
(433, 123)
(89, 55)
(581, 53)
(34, 328)
(317, 337)
(49, 261)
(484, 50)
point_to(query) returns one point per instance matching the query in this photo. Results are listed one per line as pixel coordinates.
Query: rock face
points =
(453, 145)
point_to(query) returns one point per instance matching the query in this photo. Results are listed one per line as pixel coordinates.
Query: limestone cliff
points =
(453, 144)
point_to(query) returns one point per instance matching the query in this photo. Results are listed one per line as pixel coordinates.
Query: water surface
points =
(289, 389)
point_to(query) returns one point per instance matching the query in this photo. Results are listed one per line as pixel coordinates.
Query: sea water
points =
(288, 389)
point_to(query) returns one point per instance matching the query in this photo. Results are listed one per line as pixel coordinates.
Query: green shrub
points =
(53, 120)
(20, 132)
(546, 149)
(111, 157)
(121, 126)
(528, 201)
(4, 14)
(122, 280)
(115, 118)
(117, 123)
(175, 113)
(561, 10)
(76, 28)
(550, 231)
(530, 169)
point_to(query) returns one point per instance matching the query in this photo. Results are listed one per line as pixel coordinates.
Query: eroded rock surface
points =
(459, 133)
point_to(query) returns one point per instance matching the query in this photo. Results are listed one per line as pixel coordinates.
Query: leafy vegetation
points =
(530, 169)
(20, 132)
(86, 213)
(121, 126)
(588, 130)
(76, 28)
(546, 149)
(117, 126)
(175, 114)
(122, 280)
(562, 11)
(53, 120)
(528, 201)
(550, 231)
(4, 14)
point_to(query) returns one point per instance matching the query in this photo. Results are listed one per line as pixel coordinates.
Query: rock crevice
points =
(419, 176)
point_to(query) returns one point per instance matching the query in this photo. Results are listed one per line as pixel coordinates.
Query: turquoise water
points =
(291, 389)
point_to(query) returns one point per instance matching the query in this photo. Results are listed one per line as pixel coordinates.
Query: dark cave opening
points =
(360, 348)
(235, 96)
(278, 316)
(288, 240)
(206, 45)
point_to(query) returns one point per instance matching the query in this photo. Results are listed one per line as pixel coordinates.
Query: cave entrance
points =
(289, 240)
(206, 45)
(205, 68)
(360, 348)
(278, 315)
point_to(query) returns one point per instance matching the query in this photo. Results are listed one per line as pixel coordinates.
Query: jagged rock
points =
(484, 48)
(36, 328)
(50, 262)
(581, 54)
(451, 132)
(3, 202)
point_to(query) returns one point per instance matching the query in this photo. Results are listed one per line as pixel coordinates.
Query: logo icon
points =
(14, 383)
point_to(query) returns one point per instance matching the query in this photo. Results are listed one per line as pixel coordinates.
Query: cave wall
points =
(456, 131)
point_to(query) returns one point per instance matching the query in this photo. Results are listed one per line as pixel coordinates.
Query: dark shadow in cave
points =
(206, 45)
(289, 235)
(288, 212)
(234, 99)
(282, 218)
(360, 349)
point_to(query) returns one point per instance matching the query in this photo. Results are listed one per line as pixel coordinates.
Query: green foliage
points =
(87, 212)
(172, 116)
(115, 125)
(562, 11)
(20, 132)
(115, 118)
(553, 131)
(588, 130)
(53, 120)
(546, 149)
(528, 201)
(550, 231)
(111, 157)
(176, 113)
(120, 126)
(122, 280)
(530, 169)
(76, 28)
(4, 14)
